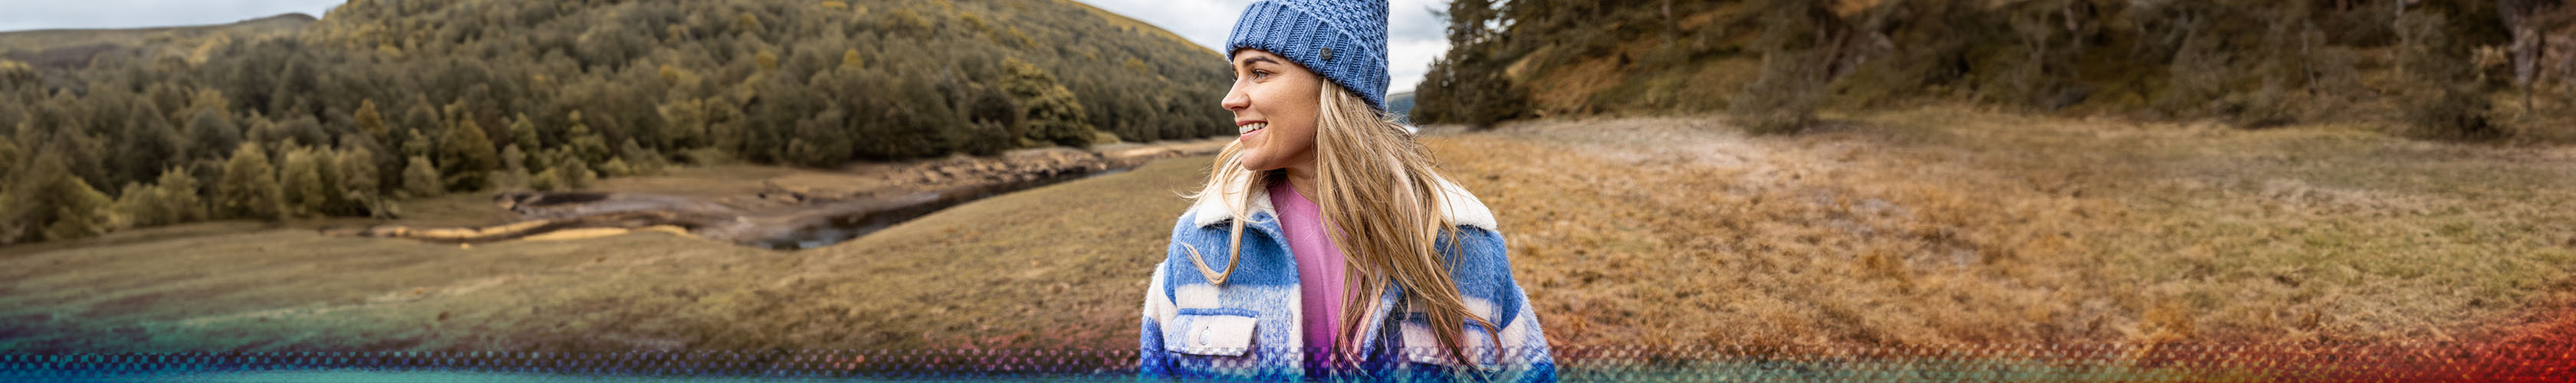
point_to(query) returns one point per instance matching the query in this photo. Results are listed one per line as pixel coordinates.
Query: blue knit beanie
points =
(1343, 40)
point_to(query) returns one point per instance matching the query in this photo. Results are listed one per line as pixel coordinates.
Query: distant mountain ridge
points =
(75, 47)
(297, 18)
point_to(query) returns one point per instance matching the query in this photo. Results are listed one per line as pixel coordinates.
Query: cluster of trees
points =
(2253, 63)
(390, 99)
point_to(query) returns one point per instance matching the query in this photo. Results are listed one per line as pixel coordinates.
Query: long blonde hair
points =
(1380, 190)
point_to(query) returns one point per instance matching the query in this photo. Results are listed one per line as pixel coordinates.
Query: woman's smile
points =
(1247, 129)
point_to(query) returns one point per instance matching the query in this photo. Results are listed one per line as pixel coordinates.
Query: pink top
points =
(1319, 268)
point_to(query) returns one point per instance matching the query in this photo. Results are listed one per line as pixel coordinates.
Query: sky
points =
(1414, 35)
(52, 14)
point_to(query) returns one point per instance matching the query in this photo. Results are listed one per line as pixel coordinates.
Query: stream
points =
(844, 227)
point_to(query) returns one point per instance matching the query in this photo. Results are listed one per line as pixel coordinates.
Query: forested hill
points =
(2465, 69)
(387, 99)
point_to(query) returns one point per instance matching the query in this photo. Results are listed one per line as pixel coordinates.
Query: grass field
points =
(1943, 226)
(1925, 227)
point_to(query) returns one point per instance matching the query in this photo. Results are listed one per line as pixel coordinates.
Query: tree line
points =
(388, 99)
(2438, 68)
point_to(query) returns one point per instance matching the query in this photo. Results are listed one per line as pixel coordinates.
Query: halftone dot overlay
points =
(2290, 362)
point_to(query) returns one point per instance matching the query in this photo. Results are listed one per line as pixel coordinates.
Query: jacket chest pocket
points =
(1421, 345)
(1213, 332)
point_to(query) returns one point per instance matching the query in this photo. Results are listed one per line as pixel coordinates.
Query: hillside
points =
(2450, 70)
(380, 100)
(72, 48)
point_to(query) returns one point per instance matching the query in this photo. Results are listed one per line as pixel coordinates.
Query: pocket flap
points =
(1209, 334)
(1421, 346)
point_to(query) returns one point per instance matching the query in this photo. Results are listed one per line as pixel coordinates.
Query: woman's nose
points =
(1236, 100)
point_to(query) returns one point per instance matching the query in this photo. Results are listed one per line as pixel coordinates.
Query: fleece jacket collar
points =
(1460, 207)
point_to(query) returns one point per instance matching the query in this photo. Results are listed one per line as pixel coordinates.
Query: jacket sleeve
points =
(1524, 353)
(1152, 363)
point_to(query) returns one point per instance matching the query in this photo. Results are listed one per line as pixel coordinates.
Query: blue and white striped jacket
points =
(1250, 328)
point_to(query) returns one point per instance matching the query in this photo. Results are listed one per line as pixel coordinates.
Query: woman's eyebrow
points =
(1247, 61)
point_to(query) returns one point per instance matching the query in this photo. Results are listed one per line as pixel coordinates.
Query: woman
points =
(1318, 155)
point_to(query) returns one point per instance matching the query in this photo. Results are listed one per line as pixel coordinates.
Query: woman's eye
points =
(1260, 74)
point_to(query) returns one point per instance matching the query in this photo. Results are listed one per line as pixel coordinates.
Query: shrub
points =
(1797, 53)
(2446, 102)
(1785, 97)
(420, 179)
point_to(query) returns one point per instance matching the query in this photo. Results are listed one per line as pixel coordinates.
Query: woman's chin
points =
(1253, 162)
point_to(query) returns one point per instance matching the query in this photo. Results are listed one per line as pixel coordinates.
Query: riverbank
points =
(789, 209)
(1033, 258)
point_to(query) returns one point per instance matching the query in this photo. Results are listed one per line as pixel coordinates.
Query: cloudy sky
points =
(50, 14)
(1414, 34)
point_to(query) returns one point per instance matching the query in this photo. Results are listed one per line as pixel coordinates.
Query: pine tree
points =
(466, 157)
(49, 202)
(724, 126)
(586, 145)
(524, 133)
(615, 167)
(640, 161)
(213, 133)
(12, 225)
(8, 159)
(421, 116)
(685, 122)
(420, 179)
(79, 210)
(326, 166)
(514, 170)
(372, 122)
(1049, 113)
(139, 206)
(147, 144)
(359, 183)
(304, 191)
(417, 145)
(571, 173)
(179, 198)
(546, 180)
(249, 187)
(13, 222)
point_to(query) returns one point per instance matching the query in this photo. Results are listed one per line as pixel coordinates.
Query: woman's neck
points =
(1302, 178)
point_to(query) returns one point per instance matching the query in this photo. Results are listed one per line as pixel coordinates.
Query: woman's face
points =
(1274, 104)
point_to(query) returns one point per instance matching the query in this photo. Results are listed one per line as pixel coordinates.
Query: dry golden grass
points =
(1053, 267)
(1939, 226)
(1911, 228)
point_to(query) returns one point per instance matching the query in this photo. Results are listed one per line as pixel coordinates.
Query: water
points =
(852, 226)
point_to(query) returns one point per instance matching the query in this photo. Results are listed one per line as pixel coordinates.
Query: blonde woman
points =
(1326, 244)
